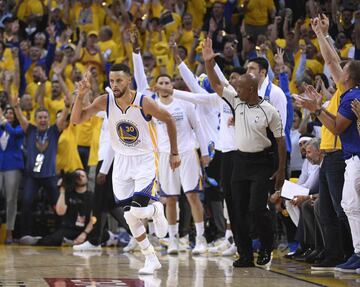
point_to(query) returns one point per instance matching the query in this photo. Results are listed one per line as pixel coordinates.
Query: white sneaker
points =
(184, 243)
(200, 246)
(160, 223)
(132, 245)
(29, 240)
(113, 240)
(86, 246)
(358, 271)
(173, 247)
(150, 281)
(154, 241)
(231, 251)
(152, 263)
(220, 248)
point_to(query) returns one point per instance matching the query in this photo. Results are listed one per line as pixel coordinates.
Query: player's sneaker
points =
(132, 245)
(113, 239)
(184, 243)
(231, 251)
(224, 245)
(173, 247)
(160, 223)
(200, 246)
(152, 263)
(86, 246)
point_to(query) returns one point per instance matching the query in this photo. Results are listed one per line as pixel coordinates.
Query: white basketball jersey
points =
(131, 131)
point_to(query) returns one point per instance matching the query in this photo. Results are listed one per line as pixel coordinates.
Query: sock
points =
(200, 229)
(151, 227)
(228, 233)
(173, 230)
(144, 244)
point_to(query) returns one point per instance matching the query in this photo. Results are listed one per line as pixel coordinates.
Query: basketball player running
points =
(133, 140)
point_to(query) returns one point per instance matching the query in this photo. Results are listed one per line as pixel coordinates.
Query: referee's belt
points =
(266, 152)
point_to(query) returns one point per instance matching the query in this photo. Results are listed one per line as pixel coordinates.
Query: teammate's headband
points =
(304, 139)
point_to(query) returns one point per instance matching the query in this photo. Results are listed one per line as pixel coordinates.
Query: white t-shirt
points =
(296, 160)
(187, 123)
(277, 99)
(309, 174)
(209, 116)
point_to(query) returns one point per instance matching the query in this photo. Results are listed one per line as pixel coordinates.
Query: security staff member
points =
(253, 162)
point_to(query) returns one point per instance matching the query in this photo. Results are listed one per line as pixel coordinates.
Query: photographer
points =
(74, 204)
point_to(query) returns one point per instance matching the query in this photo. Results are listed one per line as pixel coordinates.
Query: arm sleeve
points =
(139, 73)
(220, 74)
(279, 101)
(197, 127)
(190, 79)
(301, 68)
(304, 173)
(284, 83)
(312, 178)
(109, 157)
(17, 131)
(345, 108)
(197, 99)
(50, 57)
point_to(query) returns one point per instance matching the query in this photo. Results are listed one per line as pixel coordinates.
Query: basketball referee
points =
(253, 161)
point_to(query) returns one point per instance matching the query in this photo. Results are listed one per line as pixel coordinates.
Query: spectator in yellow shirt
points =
(87, 16)
(257, 14)
(67, 157)
(26, 104)
(38, 78)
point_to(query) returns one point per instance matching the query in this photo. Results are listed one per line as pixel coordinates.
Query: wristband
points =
(318, 112)
(85, 232)
(174, 154)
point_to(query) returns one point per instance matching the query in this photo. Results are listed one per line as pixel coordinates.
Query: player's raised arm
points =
(152, 108)
(80, 113)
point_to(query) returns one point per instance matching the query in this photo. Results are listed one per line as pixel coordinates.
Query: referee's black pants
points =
(250, 185)
(227, 165)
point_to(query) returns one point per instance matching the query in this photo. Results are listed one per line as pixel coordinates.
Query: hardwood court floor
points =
(61, 267)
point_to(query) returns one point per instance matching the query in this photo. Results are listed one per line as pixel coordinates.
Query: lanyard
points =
(41, 139)
(267, 92)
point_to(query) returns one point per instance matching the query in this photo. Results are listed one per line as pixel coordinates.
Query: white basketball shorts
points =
(134, 174)
(187, 175)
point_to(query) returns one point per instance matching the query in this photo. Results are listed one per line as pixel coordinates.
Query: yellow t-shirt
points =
(87, 19)
(88, 59)
(94, 147)
(67, 157)
(31, 89)
(30, 116)
(54, 106)
(315, 66)
(111, 49)
(6, 63)
(85, 131)
(328, 139)
(197, 9)
(29, 7)
(257, 12)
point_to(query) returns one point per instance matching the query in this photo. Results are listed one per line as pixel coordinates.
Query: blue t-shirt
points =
(45, 143)
(350, 138)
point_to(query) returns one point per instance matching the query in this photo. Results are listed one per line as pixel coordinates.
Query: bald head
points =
(246, 88)
(250, 80)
